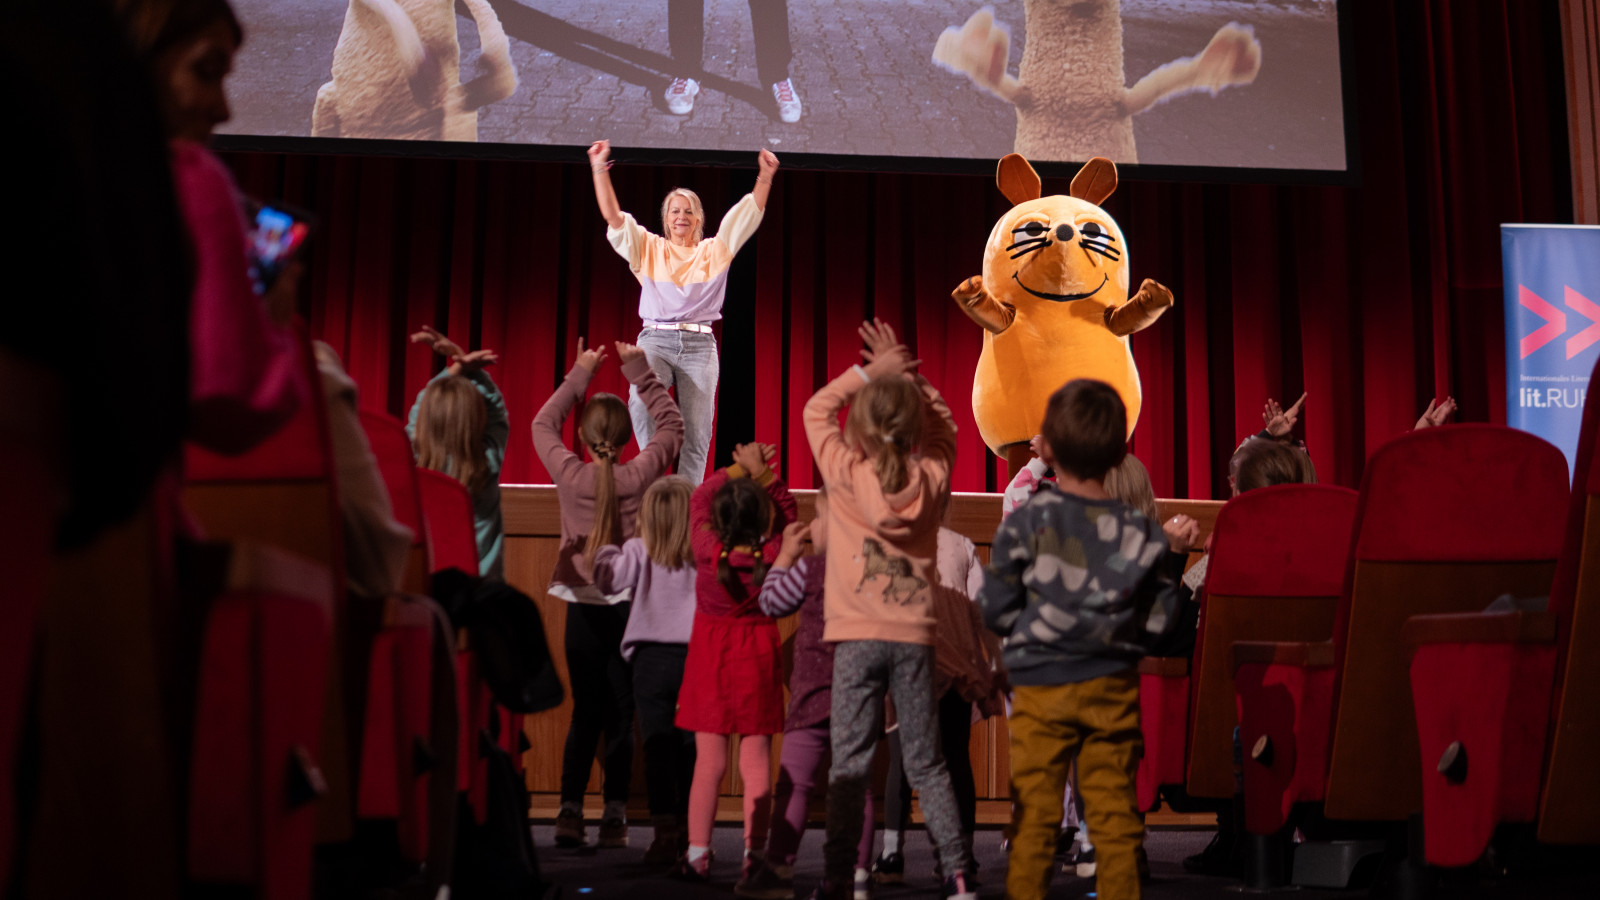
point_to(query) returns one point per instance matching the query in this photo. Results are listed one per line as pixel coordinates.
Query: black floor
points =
(590, 874)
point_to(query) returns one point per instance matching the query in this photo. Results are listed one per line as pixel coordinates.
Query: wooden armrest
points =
(1481, 628)
(1165, 666)
(1288, 653)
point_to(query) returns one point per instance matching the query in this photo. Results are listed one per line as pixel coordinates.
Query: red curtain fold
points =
(1372, 298)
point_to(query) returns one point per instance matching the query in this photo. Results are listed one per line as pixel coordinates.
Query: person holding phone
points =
(683, 280)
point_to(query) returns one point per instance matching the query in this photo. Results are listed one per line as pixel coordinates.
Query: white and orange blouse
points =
(684, 284)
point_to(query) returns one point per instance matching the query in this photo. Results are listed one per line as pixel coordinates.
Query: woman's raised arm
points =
(599, 164)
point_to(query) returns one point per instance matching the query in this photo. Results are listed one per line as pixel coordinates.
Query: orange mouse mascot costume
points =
(1053, 302)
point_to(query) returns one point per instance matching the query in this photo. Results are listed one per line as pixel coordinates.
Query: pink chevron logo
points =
(1584, 339)
(1555, 321)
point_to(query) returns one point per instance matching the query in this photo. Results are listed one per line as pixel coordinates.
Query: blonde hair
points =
(885, 419)
(449, 435)
(1129, 482)
(605, 429)
(695, 209)
(664, 522)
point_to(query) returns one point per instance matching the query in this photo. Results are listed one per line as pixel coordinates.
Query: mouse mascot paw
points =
(980, 50)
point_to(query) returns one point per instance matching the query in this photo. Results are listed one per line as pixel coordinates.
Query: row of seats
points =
(375, 709)
(1345, 635)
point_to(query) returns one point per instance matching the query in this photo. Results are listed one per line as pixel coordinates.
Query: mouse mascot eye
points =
(1053, 302)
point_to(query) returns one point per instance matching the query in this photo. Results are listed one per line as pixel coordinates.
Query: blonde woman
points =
(683, 280)
(459, 426)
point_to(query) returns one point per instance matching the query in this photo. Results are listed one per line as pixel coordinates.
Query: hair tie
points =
(603, 450)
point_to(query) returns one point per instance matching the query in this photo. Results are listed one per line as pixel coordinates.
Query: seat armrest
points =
(1164, 666)
(1289, 653)
(1481, 628)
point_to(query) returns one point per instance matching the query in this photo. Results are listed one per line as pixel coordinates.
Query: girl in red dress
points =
(733, 677)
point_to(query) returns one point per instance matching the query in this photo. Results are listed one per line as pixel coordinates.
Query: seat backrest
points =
(392, 447)
(1568, 813)
(1276, 571)
(447, 508)
(1449, 519)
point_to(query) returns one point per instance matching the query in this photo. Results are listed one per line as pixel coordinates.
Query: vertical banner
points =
(1552, 281)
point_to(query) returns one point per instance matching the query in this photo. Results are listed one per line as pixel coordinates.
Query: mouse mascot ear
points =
(1095, 181)
(1017, 180)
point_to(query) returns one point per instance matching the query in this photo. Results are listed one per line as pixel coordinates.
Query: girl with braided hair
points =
(600, 502)
(733, 677)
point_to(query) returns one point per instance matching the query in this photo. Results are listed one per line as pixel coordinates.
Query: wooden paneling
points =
(533, 531)
(1580, 31)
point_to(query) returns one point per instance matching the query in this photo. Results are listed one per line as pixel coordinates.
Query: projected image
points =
(1229, 83)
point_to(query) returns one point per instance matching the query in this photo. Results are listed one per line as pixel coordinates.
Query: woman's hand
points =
(878, 337)
(1182, 532)
(1280, 421)
(441, 345)
(627, 353)
(754, 457)
(767, 162)
(600, 156)
(590, 359)
(795, 536)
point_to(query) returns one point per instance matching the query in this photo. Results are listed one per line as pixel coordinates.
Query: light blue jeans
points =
(688, 361)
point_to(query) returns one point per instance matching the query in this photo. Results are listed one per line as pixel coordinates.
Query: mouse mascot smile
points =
(1053, 302)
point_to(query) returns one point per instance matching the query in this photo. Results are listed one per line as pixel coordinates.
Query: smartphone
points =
(277, 232)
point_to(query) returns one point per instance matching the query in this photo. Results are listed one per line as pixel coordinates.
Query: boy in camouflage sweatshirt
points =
(1078, 584)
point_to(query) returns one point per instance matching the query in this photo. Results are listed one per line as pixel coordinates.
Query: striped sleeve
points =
(784, 589)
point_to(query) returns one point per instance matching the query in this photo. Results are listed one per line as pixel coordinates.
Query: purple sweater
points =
(811, 683)
(663, 598)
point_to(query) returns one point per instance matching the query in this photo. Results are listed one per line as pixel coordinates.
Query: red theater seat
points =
(447, 509)
(1483, 685)
(1449, 519)
(281, 494)
(399, 747)
(258, 723)
(1277, 565)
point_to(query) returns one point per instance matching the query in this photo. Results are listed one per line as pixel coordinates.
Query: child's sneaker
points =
(760, 882)
(956, 888)
(666, 846)
(890, 868)
(613, 833)
(680, 96)
(569, 829)
(863, 886)
(697, 871)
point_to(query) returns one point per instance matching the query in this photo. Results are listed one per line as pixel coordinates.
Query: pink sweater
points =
(245, 378)
(881, 546)
(573, 580)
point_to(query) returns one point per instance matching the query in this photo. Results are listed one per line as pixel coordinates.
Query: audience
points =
(600, 502)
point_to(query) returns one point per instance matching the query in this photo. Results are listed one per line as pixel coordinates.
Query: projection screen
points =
(1216, 84)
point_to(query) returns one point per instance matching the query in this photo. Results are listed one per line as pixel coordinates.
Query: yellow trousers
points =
(1098, 723)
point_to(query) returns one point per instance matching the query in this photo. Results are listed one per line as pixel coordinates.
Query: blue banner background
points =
(1545, 390)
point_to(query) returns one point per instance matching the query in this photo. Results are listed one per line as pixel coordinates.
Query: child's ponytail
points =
(604, 429)
(741, 515)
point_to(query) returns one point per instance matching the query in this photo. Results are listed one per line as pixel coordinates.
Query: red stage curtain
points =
(1373, 298)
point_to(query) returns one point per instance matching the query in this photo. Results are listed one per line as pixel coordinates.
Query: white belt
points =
(679, 326)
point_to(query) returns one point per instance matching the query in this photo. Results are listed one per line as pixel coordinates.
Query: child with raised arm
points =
(734, 674)
(657, 567)
(1079, 583)
(459, 426)
(795, 582)
(887, 474)
(599, 506)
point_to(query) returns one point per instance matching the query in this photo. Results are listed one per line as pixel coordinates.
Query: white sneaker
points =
(863, 885)
(788, 100)
(680, 95)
